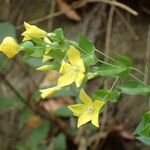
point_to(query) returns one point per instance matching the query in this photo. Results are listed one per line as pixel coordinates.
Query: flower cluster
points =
(71, 67)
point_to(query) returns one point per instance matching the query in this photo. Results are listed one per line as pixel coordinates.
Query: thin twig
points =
(127, 24)
(115, 3)
(147, 60)
(77, 5)
(107, 47)
(36, 110)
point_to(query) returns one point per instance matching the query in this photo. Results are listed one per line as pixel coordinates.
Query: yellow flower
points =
(43, 68)
(9, 47)
(72, 71)
(88, 110)
(33, 31)
(49, 91)
(46, 57)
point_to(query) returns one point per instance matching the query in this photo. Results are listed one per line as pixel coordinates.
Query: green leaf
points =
(37, 52)
(63, 112)
(33, 62)
(57, 54)
(38, 135)
(58, 35)
(27, 45)
(60, 142)
(111, 96)
(112, 70)
(7, 29)
(38, 41)
(145, 140)
(135, 88)
(4, 61)
(87, 49)
(66, 91)
(143, 128)
(124, 60)
(86, 45)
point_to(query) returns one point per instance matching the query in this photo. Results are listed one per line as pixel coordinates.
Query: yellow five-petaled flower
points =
(9, 47)
(33, 31)
(88, 110)
(72, 71)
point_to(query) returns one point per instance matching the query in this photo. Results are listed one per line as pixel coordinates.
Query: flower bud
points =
(33, 31)
(9, 47)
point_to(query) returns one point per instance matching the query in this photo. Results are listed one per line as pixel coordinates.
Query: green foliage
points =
(63, 112)
(3, 62)
(106, 95)
(33, 62)
(87, 49)
(27, 45)
(7, 29)
(56, 46)
(135, 88)
(143, 128)
(124, 60)
(112, 70)
(145, 140)
(60, 142)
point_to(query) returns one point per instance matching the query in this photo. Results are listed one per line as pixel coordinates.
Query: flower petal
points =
(43, 68)
(49, 91)
(9, 47)
(80, 65)
(84, 118)
(79, 79)
(66, 79)
(33, 31)
(97, 104)
(77, 109)
(27, 26)
(95, 119)
(46, 58)
(85, 98)
(73, 55)
(65, 67)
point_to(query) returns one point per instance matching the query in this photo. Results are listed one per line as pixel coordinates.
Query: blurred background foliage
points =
(23, 129)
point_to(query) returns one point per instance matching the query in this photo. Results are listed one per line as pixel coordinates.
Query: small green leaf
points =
(58, 35)
(57, 54)
(143, 128)
(111, 96)
(124, 60)
(60, 142)
(3, 62)
(145, 140)
(87, 49)
(33, 62)
(86, 45)
(63, 112)
(112, 70)
(7, 29)
(27, 45)
(37, 52)
(135, 88)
